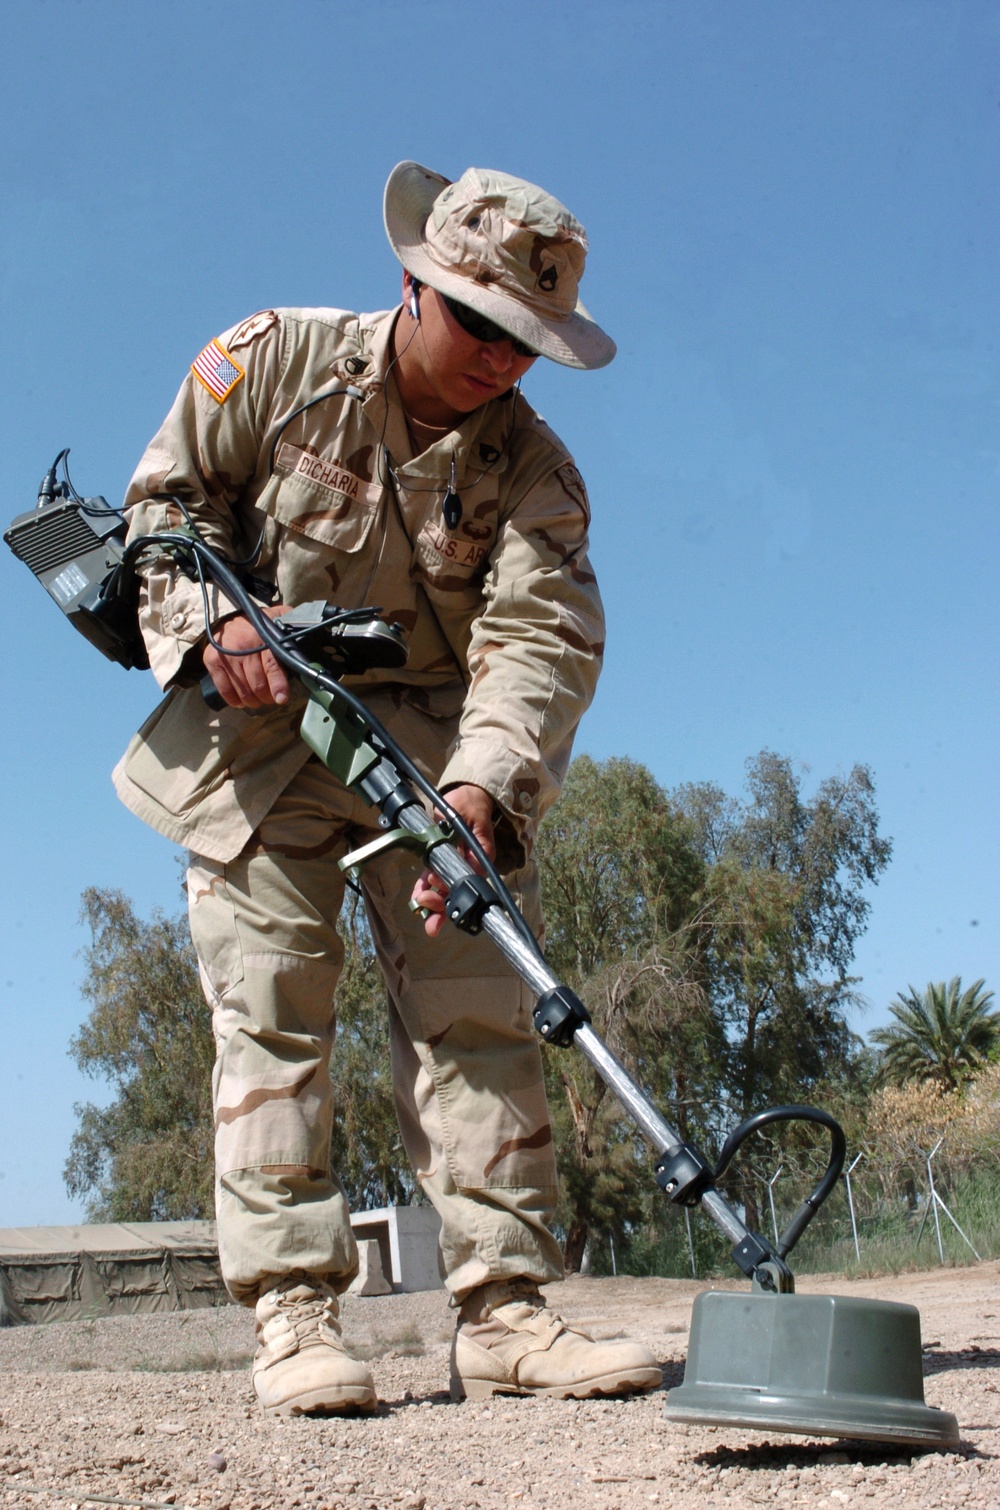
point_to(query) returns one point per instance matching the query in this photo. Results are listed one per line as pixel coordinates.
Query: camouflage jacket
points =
(502, 613)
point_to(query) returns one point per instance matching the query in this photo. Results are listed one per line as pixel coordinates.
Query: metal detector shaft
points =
(451, 866)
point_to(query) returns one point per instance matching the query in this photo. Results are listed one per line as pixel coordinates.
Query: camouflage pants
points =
(466, 1068)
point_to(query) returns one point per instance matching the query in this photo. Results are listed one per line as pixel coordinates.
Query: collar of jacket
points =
(478, 445)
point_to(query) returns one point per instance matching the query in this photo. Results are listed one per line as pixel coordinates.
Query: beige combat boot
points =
(301, 1363)
(510, 1342)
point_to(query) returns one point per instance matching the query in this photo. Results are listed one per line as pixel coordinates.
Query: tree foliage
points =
(712, 937)
(783, 905)
(147, 1156)
(941, 1033)
(618, 869)
(619, 875)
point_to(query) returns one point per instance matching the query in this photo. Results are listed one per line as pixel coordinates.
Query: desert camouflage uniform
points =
(505, 633)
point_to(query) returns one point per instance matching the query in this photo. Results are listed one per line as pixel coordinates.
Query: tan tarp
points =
(110, 1269)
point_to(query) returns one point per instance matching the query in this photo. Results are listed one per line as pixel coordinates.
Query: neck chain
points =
(451, 503)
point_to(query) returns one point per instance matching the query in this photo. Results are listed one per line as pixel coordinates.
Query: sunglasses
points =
(482, 329)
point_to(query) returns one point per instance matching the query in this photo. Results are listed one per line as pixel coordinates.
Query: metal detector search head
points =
(819, 1365)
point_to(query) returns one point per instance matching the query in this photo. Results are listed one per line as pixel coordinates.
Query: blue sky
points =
(793, 461)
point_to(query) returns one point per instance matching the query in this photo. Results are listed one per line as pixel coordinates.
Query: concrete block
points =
(407, 1237)
(371, 1280)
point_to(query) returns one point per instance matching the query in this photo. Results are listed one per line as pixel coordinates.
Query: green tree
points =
(941, 1033)
(148, 1155)
(618, 869)
(782, 906)
(618, 876)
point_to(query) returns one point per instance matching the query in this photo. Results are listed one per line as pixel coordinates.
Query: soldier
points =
(382, 459)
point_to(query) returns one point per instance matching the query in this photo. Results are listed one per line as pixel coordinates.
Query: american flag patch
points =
(216, 371)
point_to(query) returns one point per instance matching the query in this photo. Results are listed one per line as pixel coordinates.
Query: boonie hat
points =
(503, 247)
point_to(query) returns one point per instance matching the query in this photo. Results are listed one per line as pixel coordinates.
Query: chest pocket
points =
(451, 560)
(338, 517)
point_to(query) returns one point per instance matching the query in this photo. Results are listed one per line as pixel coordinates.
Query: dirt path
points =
(158, 1411)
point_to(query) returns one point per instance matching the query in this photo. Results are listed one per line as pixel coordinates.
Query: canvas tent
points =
(111, 1269)
(119, 1268)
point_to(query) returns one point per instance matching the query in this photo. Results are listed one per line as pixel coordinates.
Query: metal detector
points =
(765, 1359)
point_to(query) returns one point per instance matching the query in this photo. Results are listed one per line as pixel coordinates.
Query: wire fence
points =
(937, 1207)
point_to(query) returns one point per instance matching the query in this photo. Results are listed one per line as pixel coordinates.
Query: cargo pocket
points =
(183, 754)
(213, 925)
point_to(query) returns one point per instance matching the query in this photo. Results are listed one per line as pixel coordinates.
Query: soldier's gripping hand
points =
(476, 806)
(246, 681)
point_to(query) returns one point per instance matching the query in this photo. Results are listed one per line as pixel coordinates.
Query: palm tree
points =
(941, 1033)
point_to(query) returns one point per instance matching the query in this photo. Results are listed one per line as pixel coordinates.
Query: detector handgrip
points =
(812, 1203)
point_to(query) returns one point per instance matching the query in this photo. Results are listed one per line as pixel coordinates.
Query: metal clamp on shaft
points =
(684, 1174)
(558, 1014)
(759, 1262)
(467, 903)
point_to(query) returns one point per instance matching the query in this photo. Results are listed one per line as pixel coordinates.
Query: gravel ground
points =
(158, 1410)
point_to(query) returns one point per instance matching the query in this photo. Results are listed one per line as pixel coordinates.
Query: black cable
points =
(350, 392)
(812, 1203)
(86, 505)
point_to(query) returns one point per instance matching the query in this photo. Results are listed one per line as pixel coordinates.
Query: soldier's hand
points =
(476, 806)
(246, 681)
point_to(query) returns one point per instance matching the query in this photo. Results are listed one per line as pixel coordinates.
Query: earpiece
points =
(414, 304)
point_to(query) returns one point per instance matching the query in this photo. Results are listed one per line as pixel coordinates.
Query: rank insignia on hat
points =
(216, 371)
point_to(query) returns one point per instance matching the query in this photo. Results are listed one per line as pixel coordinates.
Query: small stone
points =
(217, 1461)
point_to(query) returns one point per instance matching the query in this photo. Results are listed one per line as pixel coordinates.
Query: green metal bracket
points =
(338, 737)
(773, 1279)
(433, 834)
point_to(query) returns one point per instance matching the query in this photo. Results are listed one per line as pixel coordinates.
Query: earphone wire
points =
(382, 450)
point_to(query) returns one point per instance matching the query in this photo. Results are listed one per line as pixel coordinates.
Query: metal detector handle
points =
(211, 695)
(812, 1203)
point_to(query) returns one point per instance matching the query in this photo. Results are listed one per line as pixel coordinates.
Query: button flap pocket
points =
(322, 499)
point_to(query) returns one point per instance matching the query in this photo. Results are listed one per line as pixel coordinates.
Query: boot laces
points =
(307, 1315)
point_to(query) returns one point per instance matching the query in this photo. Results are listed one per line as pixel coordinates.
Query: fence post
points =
(937, 1201)
(850, 1203)
(934, 1198)
(770, 1196)
(687, 1223)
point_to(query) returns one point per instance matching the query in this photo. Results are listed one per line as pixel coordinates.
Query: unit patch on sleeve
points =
(252, 329)
(216, 371)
